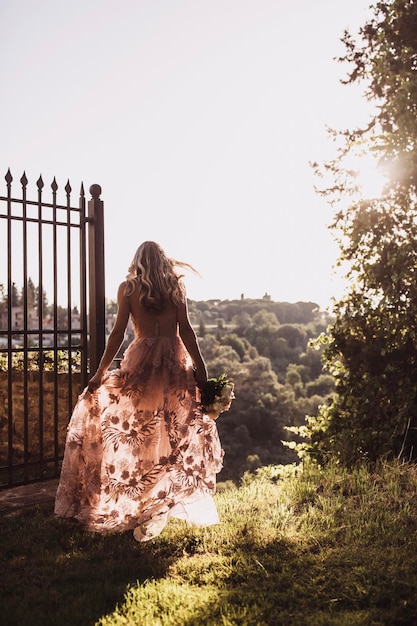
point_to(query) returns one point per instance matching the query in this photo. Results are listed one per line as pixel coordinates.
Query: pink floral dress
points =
(139, 449)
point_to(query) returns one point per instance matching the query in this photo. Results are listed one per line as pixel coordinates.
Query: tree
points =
(254, 426)
(15, 297)
(3, 298)
(371, 348)
(31, 294)
(202, 327)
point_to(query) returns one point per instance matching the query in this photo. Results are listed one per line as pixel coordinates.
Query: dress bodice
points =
(151, 324)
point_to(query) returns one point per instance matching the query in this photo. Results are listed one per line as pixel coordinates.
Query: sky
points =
(199, 120)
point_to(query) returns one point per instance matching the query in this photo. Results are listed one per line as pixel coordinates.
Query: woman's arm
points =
(115, 339)
(189, 339)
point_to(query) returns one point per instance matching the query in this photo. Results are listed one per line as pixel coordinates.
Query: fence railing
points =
(52, 321)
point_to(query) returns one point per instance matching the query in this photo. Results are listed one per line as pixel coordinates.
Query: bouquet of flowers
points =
(216, 396)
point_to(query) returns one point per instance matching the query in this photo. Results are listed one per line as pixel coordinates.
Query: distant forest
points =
(264, 347)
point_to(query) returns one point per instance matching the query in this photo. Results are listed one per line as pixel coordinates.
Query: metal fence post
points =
(97, 309)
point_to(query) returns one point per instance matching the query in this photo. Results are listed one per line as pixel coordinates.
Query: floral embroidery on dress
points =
(139, 449)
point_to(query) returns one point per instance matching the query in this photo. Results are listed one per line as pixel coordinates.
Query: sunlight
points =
(370, 177)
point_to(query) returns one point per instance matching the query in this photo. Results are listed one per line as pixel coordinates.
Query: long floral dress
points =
(139, 449)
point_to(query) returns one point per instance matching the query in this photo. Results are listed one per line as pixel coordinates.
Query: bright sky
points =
(198, 118)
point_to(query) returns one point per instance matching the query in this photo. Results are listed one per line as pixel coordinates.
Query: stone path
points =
(18, 498)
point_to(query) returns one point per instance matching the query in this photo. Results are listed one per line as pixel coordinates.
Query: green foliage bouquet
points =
(217, 395)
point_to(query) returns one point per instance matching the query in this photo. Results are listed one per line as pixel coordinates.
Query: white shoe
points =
(150, 530)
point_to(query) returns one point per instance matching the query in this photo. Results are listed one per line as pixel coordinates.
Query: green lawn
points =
(296, 547)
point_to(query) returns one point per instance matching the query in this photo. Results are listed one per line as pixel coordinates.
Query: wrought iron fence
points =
(52, 322)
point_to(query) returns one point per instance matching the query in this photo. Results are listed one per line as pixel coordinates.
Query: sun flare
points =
(371, 179)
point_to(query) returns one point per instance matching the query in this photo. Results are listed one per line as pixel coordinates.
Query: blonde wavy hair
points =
(155, 273)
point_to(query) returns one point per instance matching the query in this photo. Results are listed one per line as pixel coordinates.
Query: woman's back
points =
(151, 323)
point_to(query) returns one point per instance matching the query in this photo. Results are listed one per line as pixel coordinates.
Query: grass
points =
(296, 547)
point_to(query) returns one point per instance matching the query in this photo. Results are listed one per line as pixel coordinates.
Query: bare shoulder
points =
(121, 290)
(126, 288)
(122, 293)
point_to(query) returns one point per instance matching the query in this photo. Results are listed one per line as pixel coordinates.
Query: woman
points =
(139, 449)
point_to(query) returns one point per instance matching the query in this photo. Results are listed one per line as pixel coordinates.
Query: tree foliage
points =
(271, 393)
(371, 348)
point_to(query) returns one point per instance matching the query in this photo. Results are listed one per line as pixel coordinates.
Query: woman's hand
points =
(95, 381)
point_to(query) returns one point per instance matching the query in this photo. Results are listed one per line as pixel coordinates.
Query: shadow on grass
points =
(55, 573)
(280, 584)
